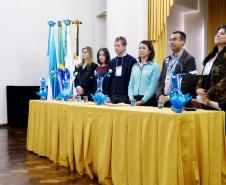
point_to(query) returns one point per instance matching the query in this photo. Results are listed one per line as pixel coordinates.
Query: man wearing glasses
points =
(179, 61)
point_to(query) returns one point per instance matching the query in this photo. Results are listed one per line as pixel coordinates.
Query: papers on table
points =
(212, 104)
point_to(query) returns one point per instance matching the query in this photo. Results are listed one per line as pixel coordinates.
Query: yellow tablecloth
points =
(126, 145)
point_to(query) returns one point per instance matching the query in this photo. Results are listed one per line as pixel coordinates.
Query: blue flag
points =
(69, 64)
(53, 85)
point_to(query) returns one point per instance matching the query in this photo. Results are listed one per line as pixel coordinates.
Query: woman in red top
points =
(103, 59)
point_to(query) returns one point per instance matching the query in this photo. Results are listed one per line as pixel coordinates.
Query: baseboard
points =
(2, 125)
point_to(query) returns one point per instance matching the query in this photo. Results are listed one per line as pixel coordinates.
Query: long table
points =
(125, 145)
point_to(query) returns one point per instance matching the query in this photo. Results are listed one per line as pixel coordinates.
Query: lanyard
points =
(117, 62)
(169, 67)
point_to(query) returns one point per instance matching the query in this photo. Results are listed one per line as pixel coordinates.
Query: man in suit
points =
(179, 61)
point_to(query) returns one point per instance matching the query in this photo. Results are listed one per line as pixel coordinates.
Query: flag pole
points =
(77, 24)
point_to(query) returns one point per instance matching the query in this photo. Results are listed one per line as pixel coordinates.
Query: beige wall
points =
(23, 36)
(193, 22)
(127, 18)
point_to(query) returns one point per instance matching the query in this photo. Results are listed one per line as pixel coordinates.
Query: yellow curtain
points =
(216, 18)
(158, 11)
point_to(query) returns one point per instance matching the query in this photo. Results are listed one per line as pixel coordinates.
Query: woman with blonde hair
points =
(84, 74)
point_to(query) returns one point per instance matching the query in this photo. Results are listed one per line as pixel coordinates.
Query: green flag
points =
(61, 62)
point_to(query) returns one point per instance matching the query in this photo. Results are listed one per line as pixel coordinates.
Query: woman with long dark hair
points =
(144, 76)
(211, 88)
(103, 59)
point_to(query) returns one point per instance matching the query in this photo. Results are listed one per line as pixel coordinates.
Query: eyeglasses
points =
(174, 39)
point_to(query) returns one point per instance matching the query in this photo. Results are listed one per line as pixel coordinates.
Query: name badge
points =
(118, 71)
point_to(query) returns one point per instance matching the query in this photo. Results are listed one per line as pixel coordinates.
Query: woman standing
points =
(144, 76)
(84, 74)
(212, 85)
(103, 59)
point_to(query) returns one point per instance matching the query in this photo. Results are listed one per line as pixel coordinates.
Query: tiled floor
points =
(19, 167)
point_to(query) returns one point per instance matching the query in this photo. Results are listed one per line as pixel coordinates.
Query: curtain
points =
(158, 11)
(216, 18)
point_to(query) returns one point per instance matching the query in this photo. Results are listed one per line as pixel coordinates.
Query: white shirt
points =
(208, 66)
(171, 64)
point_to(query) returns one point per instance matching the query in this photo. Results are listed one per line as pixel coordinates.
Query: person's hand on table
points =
(205, 101)
(138, 103)
(80, 90)
(163, 99)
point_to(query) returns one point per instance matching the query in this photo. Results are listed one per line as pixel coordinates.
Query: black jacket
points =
(216, 87)
(85, 79)
(187, 84)
(119, 84)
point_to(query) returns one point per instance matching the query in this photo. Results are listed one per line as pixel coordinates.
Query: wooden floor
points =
(19, 167)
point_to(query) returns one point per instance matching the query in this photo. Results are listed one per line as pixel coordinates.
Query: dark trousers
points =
(118, 98)
(151, 102)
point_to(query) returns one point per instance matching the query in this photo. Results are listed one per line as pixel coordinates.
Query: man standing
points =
(180, 61)
(121, 67)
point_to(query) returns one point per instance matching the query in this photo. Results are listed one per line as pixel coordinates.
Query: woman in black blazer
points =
(212, 84)
(84, 74)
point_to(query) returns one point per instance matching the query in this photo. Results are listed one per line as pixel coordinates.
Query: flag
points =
(69, 66)
(61, 63)
(61, 55)
(52, 79)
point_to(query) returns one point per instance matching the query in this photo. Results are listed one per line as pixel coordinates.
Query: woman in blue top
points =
(144, 76)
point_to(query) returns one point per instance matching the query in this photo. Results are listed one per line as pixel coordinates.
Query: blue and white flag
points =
(69, 64)
(53, 89)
